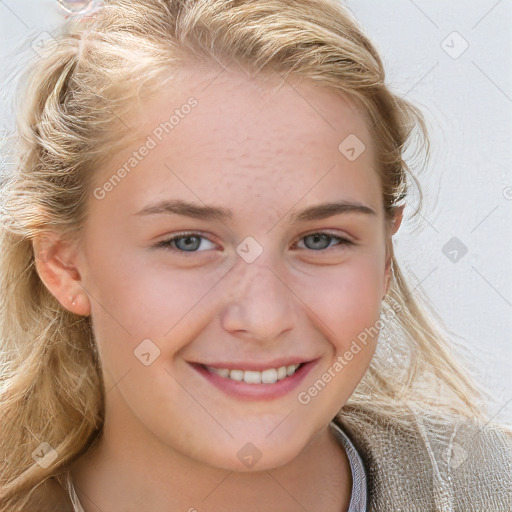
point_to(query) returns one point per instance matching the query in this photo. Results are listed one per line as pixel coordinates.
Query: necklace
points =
(358, 497)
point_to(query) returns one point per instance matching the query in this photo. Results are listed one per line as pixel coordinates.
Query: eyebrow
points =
(317, 212)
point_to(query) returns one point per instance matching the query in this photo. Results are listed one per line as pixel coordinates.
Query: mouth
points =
(263, 383)
(266, 376)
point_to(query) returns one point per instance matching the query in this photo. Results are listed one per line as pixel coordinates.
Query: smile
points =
(268, 376)
(255, 383)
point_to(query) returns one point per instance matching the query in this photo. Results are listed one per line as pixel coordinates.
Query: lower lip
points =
(242, 390)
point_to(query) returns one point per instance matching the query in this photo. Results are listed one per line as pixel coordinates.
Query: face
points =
(187, 300)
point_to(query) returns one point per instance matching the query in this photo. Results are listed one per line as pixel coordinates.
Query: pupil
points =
(318, 238)
(188, 241)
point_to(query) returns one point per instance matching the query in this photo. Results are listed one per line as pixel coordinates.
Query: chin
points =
(253, 453)
(250, 459)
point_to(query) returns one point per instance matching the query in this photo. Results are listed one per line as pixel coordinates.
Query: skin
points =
(265, 151)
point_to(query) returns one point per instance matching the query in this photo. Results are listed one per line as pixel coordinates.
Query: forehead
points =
(219, 134)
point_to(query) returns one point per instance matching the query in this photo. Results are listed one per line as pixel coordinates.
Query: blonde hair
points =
(69, 122)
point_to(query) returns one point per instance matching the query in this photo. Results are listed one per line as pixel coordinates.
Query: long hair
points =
(71, 102)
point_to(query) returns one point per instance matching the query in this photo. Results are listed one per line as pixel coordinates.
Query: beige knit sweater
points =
(442, 464)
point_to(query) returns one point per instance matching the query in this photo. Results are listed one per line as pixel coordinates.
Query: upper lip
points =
(254, 366)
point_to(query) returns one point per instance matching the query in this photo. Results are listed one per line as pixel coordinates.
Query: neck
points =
(114, 475)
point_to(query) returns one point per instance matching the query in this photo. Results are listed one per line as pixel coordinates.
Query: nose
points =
(261, 306)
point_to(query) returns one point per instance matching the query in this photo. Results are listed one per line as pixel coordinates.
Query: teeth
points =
(236, 374)
(269, 376)
(252, 377)
(224, 372)
(290, 370)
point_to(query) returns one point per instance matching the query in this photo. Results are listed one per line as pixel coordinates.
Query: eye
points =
(191, 241)
(321, 240)
(183, 242)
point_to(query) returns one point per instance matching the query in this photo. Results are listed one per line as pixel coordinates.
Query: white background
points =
(467, 99)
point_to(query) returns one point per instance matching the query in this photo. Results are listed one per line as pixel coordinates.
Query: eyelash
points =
(167, 244)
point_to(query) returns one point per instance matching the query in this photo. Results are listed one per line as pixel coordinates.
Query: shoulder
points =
(436, 463)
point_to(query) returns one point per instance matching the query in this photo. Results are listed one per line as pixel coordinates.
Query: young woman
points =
(197, 275)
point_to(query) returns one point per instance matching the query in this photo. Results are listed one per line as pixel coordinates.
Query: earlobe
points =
(55, 262)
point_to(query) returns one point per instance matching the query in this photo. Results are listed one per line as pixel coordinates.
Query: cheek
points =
(347, 301)
(137, 291)
(346, 298)
(135, 301)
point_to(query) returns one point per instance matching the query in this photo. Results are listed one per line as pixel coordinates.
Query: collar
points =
(359, 496)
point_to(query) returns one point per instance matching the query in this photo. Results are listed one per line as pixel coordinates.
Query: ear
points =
(55, 261)
(392, 228)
